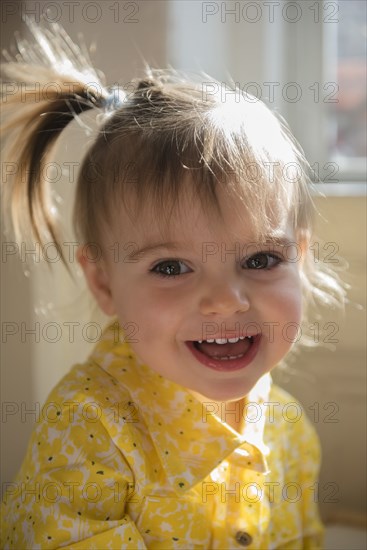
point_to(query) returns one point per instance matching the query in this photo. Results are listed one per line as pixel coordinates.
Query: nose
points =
(224, 298)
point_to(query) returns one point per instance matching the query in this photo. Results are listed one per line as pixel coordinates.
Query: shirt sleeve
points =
(57, 529)
(313, 529)
(304, 468)
(74, 487)
(125, 535)
(294, 462)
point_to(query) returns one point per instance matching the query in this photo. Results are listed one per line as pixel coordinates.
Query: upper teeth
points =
(224, 340)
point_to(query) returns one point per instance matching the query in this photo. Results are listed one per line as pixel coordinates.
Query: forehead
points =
(190, 219)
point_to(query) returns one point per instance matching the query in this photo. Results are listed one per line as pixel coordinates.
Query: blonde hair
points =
(150, 140)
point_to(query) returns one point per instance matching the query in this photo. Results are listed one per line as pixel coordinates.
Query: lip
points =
(228, 365)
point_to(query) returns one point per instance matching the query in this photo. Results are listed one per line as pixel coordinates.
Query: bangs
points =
(193, 149)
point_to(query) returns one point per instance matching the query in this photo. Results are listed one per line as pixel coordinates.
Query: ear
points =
(98, 281)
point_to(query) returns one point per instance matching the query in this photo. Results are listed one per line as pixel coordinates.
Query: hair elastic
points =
(115, 99)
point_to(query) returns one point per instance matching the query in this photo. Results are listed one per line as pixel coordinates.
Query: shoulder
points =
(289, 426)
(86, 394)
(75, 481)
(78, 422)
(294, 462)
(87, 380)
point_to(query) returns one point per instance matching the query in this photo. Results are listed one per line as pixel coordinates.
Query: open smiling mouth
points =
(225, 354)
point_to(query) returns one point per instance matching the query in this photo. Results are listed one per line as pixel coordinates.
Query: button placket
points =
(243, 538)
(246, 531)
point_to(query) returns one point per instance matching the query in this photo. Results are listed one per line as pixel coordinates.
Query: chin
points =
(231, 394)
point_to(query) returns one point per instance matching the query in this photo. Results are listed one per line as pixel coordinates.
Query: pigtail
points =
(46, 84)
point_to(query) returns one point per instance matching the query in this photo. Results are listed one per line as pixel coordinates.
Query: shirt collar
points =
(189, 442)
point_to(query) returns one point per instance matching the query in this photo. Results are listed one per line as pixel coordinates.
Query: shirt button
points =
(243, 538)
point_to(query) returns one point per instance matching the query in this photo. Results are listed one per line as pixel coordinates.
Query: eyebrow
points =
(154, 247)
(151, 248)
(281, 240)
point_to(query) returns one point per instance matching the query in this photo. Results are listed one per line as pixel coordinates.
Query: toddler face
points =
(214, 308)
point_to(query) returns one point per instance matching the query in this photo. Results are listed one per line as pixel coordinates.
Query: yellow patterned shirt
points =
(123, 458)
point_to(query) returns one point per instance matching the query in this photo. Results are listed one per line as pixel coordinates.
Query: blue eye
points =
(263, 260)
(170, 268)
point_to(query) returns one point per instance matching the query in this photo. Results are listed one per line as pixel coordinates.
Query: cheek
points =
(284, 301)
(282, 316)
(291, 303)
(153, 312)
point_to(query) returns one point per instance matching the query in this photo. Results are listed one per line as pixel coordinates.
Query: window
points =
(324, 52)
(305, 58)
(346, 43)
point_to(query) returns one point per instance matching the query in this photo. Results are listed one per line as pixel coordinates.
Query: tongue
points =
(224, 350)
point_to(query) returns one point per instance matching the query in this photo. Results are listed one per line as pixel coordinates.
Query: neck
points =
(229, 412)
